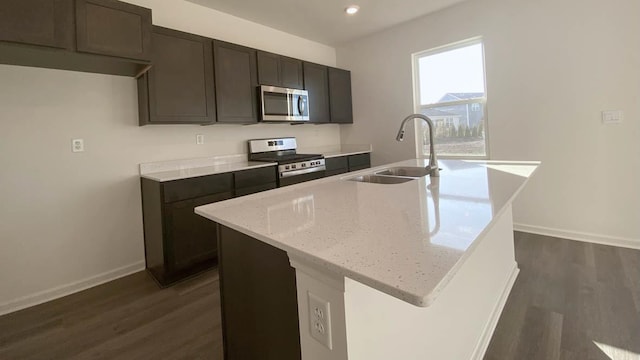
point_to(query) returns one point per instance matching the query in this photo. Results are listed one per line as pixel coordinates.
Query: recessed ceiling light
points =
(352, 9)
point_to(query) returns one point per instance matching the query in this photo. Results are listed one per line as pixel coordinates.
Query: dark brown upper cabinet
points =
(179, 88)
(236, 81)
(277, 70)
(98, 36)
(114, 28)
(38, 22)
(316, 82)
(340, 96)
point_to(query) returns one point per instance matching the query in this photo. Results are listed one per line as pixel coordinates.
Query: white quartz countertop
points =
(337, 150)
(406, 240)
(188, 168)
(205, 170)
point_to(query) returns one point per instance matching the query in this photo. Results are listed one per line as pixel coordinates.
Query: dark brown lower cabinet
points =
(336, 165)
(258, 298)
(191, 239)
(178, 242)
(359, 161)
(343, 164)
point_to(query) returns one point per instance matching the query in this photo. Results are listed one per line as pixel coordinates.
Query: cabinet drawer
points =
(359, 162)
(255, 189)
(336, 163)
(254, 177)
(336, 172)
(195, 187)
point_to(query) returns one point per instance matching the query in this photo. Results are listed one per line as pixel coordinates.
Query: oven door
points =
(296, 179)
(282, 104)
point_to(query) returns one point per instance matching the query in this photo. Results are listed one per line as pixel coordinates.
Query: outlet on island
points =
(320, 320)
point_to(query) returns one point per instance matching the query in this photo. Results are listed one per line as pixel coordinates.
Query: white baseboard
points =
(67, 289)
(580, 236)
(485, 339)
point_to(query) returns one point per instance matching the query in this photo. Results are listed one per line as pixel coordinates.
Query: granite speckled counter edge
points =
(187, 168)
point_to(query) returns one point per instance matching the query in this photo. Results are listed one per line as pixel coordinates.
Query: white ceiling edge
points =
(324, 21)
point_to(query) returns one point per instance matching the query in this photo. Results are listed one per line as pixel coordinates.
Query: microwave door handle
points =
(301, 105)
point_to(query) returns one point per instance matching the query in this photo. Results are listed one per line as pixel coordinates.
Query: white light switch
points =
(77, 145)
(612, 117)
(199, 139)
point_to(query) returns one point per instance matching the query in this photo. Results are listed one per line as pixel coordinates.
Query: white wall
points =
(68, 220)
(552, 67)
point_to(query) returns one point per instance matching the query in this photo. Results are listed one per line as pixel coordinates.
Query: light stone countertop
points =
(337, 150)
(188, 168)
(406, 240)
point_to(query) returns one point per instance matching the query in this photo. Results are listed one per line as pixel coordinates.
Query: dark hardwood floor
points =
(568, 297)
(130, 318)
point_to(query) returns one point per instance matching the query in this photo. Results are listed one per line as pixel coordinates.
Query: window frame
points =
(415, 60)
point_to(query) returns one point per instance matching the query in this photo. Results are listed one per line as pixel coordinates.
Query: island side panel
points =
(457, 325)
(259, 300)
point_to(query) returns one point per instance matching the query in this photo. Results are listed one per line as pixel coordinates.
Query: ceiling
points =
(325, 21)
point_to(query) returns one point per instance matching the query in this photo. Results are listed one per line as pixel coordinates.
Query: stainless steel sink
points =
(407, 171)
(377, 179)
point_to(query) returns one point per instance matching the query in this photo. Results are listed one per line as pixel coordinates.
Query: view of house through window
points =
(450, 90)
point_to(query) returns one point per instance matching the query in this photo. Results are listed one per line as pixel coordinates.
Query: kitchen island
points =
(342, 269)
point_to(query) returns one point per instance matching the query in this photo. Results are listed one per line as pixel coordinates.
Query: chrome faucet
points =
(432, 167)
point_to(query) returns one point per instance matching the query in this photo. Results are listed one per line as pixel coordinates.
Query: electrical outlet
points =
(199, 139)
(320, 320)
(612, 117)
(77, 145)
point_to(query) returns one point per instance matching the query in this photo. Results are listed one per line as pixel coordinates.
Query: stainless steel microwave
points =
(282, 104)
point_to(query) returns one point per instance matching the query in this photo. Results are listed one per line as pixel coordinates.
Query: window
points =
(450, 84)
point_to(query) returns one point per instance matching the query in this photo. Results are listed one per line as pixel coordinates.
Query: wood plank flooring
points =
(572, 300)
(130, 318)
(568, 297)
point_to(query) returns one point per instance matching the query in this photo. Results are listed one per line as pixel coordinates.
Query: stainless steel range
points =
(293, 168)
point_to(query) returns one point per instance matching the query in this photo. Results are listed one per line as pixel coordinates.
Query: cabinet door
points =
(268, 69)
(316, 83)
(191, 238)
(115, 28)
(340, 96)
(336, 165)
(291, 73)
(37, 22)
(359, 162)
(255, 180)
(236, 82)
(180, 83)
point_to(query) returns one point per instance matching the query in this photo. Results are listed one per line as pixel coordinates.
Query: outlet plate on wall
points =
(320, 320)
(77, 145)
(612, 117)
